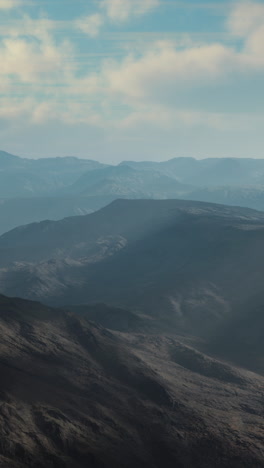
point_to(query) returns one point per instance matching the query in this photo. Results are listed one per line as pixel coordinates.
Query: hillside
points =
(75, 395)
(130, 220)
(16, 212)
(192, 267)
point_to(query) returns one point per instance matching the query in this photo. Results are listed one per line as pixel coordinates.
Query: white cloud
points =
(29, 54)
(9, 4)
(171, 119)
(245, 18)
(164, 68)
(41, 28)
(137, 88)
(90, 25)
(113, 10)
(32, 62)
(122, 10)
(247, 21)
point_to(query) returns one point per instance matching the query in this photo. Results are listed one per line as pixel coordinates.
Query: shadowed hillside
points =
(75, 395)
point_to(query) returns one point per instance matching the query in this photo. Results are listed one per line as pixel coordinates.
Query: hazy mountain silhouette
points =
(21, 177)
(124, 181)
(208, 172)
(52, 188)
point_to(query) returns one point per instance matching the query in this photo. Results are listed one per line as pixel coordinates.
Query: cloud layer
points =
(122, 10)
(117, 11)
(9, 4)
(42, 73)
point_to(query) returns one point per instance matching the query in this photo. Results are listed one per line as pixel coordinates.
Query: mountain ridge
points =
(74, 183)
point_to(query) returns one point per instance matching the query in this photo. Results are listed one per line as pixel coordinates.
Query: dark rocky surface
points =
(74, 394)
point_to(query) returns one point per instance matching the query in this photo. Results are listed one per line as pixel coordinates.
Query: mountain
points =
(251, 197)
(124, 181)
(230, 181)
(209, 172)
(115, 318)
(21, 177)
(8, 160)
(16, 212)
(125, 221)
(29, 189)
(191, 267)
(74, 394)
(33, 190)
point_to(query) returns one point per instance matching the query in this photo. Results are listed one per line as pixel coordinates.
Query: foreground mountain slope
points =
(75, 395)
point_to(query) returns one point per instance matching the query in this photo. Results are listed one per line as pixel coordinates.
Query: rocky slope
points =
(73, 394)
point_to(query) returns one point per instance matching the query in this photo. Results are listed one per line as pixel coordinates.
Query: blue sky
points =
(132, 79)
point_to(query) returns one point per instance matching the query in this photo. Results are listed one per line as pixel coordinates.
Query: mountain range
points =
(131, 313)
(52, 188)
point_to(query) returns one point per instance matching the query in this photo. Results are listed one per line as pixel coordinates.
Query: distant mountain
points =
(251, 197)
(29, 189)
(230, 181)
(21, 177)
(190, 266)
(83, 186)
(75, 395)
(209, 172)
(8, 160)
(124, 181)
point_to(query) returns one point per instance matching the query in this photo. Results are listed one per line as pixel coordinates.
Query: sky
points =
(117, 80)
